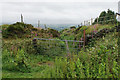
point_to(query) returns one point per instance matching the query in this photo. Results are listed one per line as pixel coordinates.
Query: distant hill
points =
(22, 30)
(58, 27)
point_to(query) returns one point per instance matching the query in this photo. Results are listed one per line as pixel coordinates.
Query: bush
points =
(55, 33)
(16, 62)
(17, 30)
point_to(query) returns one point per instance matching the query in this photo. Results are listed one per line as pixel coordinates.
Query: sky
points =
(53, 11)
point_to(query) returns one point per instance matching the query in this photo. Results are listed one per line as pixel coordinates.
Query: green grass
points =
(98, 27)
(69, 34)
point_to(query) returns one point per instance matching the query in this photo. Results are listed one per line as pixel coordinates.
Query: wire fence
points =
(99, 20)
(52, 46)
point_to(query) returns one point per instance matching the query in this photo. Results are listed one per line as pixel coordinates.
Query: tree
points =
(101, 18)
(108, 17)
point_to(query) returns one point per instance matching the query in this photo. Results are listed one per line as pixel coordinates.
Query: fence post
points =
(35, 44)
(91, 21)
(80, 45)
(84, 40)
(67, 47)
(97, 20)
(81, 24)
(84, 23)
(92, 34)
(115, 19)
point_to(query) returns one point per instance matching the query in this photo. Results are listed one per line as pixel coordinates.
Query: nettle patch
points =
(17, 62)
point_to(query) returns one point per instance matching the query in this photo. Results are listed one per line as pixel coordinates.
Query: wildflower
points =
(36, 34)
(51, 35)
(95, 31)
(32, 32)
(12, 48)
(81, 39)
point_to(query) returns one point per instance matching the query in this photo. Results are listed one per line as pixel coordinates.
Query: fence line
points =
(90, 21)
(68, 47)
(58, 40)
(101, 17)
(84, 36)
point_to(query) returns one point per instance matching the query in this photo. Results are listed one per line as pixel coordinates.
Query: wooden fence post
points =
(67, 47)
(81, 24)
(84, 23)
(35, 43)
(97, 20)
(80, 45)
(92, 34)
(91, 21)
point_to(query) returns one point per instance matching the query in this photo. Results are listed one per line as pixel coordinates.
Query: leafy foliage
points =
(54, 33)
(108, 17)
(17, 62)
(97, 62)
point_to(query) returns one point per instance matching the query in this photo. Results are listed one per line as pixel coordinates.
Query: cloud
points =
(53, 12)
(59, 0)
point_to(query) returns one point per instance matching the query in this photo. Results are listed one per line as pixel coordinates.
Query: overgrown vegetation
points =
(25, 57)
(99, 61)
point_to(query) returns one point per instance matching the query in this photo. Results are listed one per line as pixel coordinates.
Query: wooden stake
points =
(67, 46)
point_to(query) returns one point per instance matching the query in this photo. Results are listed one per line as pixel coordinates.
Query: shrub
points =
(55, 33)
(17, 30)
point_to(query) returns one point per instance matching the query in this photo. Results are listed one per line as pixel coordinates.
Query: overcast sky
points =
(54, 12)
